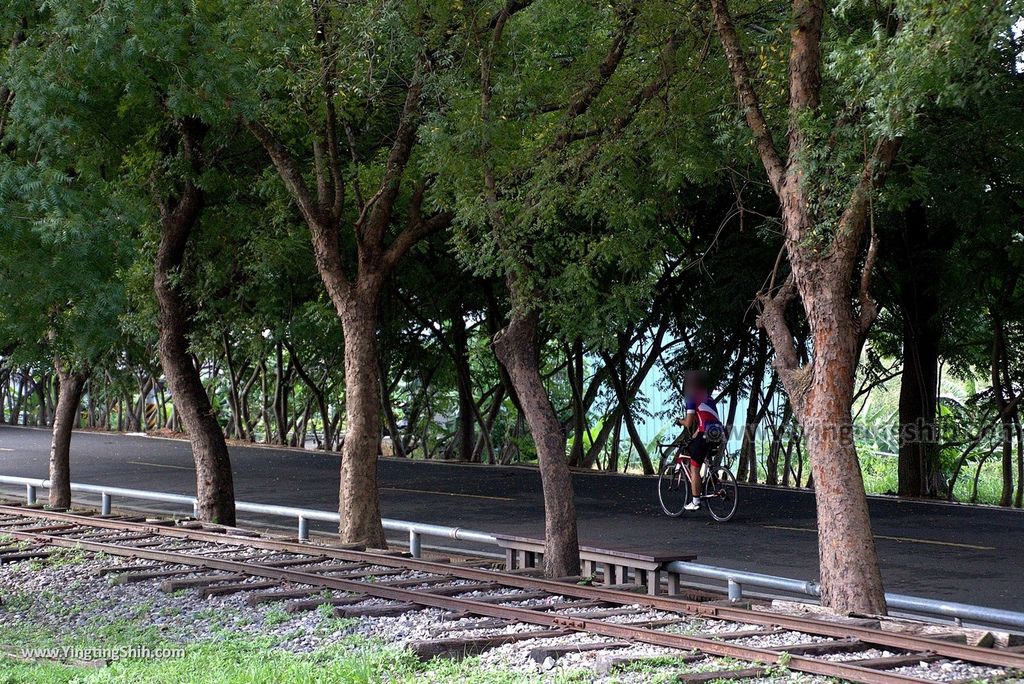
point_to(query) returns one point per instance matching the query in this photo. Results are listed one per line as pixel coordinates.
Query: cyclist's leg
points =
(698, 450)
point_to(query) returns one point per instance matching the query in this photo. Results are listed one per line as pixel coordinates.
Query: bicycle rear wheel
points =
(721, 494)
(674, 488)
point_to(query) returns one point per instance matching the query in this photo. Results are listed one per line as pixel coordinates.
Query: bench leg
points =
(654, 582)
(621, 573)
(510, 559)
(639, 577)
(673, 584)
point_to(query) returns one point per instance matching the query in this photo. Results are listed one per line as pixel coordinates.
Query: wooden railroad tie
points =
(542, 653)
(457, 648)
(701, 677)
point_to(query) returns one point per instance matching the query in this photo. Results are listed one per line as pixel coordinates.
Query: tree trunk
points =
(757, 406)
(484, 441)
(358, 502)
(850, 576)
(515, 347)
(772, 462)
(1001, 390)
(787, 466)
(613, 456)
(1018, 499)
(391, 421)
(42, 415)
(574, 373)
(919, 470)
(214, 485)
(465, 437)
(65, 420)
(624, 399)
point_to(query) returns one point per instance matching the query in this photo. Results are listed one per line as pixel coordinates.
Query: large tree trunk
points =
(919, 262)
(65, 420)
(214, 485)
(850, 576)
(515, 347)
(918, 469)
(358, 502)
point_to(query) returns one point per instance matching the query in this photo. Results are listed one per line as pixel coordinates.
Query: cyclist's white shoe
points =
(692, 506)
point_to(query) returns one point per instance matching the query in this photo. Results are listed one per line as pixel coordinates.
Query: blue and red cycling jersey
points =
(707, 413)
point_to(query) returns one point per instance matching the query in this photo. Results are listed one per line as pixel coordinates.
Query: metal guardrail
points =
(958, 612)
(735, 579)
(415, 530)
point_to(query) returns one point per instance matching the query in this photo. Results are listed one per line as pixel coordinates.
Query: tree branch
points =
(288, 169)
(581, 101)
(376, 214)
(854, 219)
(868, 306)
(332, 195)
(786, 360)
(324, 234)
(748, 96)
(414, 233)
(804, 71)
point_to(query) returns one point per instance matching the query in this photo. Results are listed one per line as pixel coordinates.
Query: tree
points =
(827, 212)
(179, 214)
(551, 200)
(62, 252)
(358, 240)
(111, 102)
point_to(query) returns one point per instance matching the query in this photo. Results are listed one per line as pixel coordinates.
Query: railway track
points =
(217, 562)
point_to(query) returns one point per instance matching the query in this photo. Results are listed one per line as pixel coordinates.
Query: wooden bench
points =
(612, 565)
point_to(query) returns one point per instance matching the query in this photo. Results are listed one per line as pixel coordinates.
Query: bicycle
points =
(718, 484)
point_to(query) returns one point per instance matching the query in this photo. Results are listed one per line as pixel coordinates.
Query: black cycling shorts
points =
(704, 444)
(698, 449)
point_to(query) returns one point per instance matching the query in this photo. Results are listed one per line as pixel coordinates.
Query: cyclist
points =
(703, 423)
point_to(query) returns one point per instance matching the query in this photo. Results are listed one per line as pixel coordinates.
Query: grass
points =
(232, 658)
(880, 477)
(242, 661)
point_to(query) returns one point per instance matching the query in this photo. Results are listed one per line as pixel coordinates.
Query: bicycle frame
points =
(720, 458)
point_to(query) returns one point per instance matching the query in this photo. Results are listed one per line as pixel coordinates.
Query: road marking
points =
(468, 496)
(5, 449)
(911, 540)
(160, 465)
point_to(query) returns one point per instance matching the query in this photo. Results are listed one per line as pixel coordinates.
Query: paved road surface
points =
(943, 551)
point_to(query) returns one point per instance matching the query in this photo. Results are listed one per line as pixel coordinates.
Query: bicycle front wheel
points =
(721, 493)
(674, 488)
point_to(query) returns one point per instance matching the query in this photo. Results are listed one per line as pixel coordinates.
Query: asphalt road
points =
(960, 553)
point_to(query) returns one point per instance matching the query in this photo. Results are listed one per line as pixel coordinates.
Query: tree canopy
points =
(501, 231)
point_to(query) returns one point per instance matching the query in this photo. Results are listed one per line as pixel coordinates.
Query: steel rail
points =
(842, 670)
(735, 579)
(806, 625)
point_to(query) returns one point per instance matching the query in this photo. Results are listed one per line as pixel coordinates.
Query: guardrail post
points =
(303, 529)
(735, 590)
(195, 510)
(104, 504)
(415, 544)
(30, 494)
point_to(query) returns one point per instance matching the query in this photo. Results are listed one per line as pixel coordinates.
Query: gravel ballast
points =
(69, 596)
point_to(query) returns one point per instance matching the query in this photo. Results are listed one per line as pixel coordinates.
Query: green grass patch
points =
(233, 658)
